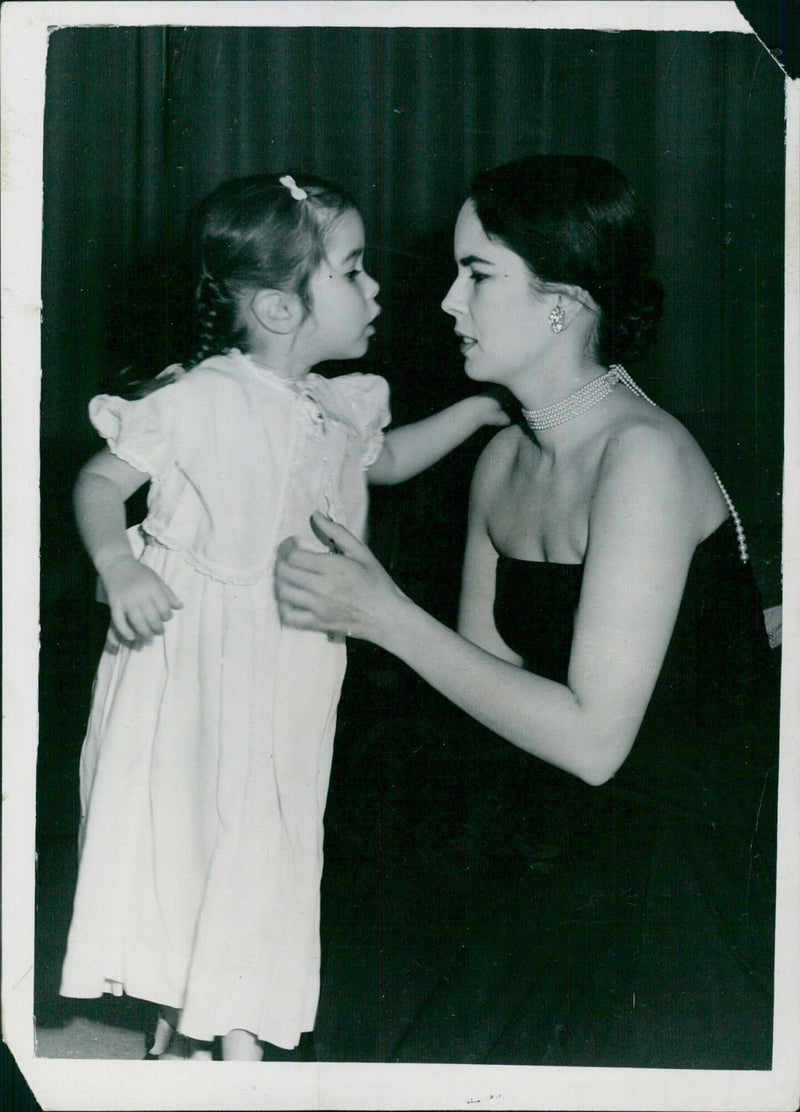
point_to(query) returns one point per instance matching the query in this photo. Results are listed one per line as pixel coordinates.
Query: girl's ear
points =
(278, 311)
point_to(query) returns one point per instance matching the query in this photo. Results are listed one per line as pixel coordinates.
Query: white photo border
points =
(103, 1084)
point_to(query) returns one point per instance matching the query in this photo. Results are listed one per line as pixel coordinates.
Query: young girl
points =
(205, 767)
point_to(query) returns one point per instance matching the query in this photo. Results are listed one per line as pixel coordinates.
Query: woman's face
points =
(500, 318)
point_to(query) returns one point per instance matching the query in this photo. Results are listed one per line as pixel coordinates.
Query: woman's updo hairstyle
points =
(575, 220)
(257, 233)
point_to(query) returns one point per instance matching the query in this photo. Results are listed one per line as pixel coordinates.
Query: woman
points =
(609, 626)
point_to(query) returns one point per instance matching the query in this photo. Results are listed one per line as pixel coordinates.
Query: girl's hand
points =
(344, 591)
(491, 410)
(140, 601)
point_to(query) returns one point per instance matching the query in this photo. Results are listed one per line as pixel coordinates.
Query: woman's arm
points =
(642, 535)
(413, 448)
(140, 602)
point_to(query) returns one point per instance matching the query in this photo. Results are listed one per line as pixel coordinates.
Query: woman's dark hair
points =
(254, 233)
(575, 220)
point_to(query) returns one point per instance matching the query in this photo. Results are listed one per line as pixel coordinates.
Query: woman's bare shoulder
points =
(653, 437)
(497, 457)
(656, 454)
(502, 448)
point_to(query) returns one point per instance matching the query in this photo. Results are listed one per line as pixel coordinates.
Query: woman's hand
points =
(344, 591)
(140, 601)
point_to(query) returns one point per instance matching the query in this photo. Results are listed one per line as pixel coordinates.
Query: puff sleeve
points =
(371, 402)
(367, 400)
(138, 432)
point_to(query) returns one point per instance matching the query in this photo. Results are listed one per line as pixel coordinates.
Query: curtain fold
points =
(102, 203)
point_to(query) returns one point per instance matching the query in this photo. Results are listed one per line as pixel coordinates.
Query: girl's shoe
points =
(150, 1035)
(159, 1036)
(182, 1048)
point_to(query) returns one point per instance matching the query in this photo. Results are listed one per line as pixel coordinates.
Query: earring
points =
(556, 319)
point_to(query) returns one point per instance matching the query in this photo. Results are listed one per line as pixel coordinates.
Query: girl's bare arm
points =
(139, 600)
(410, 449)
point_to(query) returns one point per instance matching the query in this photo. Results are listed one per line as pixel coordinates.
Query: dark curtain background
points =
(141, 123)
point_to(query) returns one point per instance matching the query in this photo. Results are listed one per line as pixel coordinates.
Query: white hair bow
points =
(288, 181)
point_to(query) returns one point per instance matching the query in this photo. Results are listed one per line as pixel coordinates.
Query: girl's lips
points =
(466, 344)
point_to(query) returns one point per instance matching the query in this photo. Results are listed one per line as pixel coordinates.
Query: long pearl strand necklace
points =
(594, 392)
(740, 537)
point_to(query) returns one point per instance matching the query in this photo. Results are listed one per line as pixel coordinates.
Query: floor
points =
(106, 1028)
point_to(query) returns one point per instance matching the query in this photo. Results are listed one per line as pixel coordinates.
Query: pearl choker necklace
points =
(583, 399)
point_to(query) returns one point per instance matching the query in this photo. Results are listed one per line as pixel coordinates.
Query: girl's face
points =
(342, 296)
(500, 318)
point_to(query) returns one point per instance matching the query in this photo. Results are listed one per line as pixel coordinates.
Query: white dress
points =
(205, 767)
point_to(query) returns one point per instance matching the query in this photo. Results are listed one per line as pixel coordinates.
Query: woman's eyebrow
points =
(468, 260)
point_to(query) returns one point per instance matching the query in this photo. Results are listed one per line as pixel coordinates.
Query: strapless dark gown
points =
(641, 933)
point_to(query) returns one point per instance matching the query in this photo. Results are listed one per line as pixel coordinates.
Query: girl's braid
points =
(211, 306)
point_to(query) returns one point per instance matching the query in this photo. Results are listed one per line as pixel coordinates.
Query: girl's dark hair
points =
(575, 220)
(252, 233)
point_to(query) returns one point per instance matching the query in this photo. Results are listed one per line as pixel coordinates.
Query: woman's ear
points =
(575, 298)
(279, 311)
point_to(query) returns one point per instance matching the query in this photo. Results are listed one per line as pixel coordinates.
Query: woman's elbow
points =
(596, 775)
(603, 761)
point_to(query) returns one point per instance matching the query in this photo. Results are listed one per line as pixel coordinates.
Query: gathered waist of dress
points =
(141, 539)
